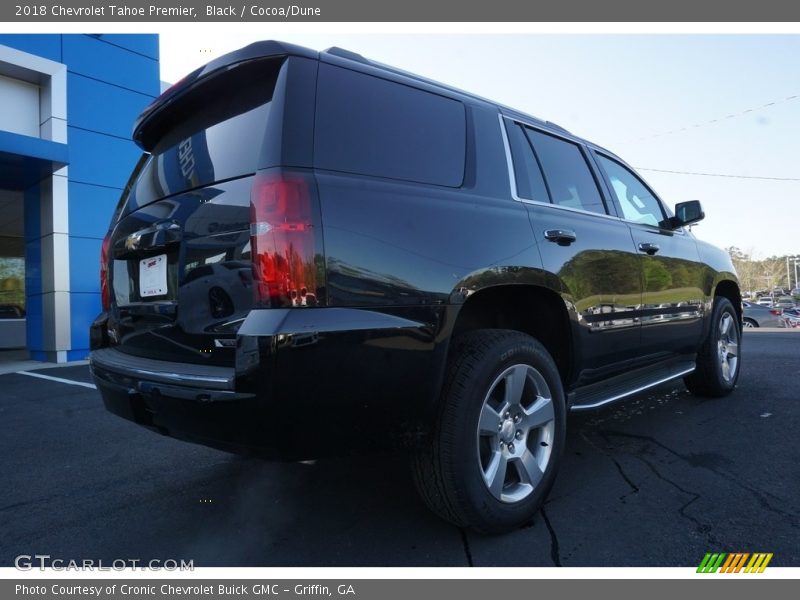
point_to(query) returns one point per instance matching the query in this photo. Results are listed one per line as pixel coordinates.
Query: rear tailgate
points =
(180, 271)
(181, 275)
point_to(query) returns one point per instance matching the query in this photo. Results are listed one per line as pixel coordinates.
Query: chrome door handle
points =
(649, 248)
(563, 237)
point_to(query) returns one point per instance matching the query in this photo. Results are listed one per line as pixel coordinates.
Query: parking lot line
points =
(59, 379)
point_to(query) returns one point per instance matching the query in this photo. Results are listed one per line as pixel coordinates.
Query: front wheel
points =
(499, 434)
(718, 362)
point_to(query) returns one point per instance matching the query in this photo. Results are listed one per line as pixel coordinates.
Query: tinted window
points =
(371, 126)
(567, 174)
(527, 173)
(635, 199)
(217, 135)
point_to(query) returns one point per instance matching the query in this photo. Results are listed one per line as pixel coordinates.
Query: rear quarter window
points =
(371, 126)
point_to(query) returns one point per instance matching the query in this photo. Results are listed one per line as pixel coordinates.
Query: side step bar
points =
(596, 395)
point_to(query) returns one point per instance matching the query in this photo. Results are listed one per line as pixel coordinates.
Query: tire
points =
(749, 323)
(718, 363)
(488, 421)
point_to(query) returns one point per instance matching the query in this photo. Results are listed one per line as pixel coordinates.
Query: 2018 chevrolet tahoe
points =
(318, 253)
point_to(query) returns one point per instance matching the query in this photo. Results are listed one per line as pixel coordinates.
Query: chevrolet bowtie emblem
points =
(132, 241)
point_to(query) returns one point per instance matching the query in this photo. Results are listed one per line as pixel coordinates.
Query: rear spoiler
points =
(147, 121)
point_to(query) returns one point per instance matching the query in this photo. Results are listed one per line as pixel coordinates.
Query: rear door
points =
(583, 243)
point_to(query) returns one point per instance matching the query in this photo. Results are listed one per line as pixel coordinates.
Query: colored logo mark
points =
(734, 562)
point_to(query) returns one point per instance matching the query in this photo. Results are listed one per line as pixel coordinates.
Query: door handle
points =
(649, 248)
(563, 237)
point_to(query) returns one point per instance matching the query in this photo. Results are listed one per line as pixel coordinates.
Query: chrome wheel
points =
(728, 346)
(499, 436)
(719, 358)
(747, 324)
(515, 433)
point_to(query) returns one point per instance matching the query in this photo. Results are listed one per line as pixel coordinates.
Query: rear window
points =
(213, 133)
(370, 126)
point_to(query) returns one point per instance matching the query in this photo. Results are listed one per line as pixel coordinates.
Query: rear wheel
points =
(718, 360)
(749, 323)
(499, 435)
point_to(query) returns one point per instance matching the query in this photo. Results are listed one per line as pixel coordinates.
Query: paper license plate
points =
(153, 276)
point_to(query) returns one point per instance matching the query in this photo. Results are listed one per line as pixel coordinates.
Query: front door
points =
(672, 274)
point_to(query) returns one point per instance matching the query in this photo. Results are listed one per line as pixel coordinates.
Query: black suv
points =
(320, 254)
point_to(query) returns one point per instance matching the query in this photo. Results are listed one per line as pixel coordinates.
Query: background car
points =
(764, 301)
(785, 302)
(791, 318)
(761, 316)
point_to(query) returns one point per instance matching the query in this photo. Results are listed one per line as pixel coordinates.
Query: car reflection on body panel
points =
(214, 293)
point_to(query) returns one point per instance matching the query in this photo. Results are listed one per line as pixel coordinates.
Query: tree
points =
(748, 270)
(773, 272)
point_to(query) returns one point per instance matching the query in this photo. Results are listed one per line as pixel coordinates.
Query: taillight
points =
(776, 311)
(285, 241)
(105, 292)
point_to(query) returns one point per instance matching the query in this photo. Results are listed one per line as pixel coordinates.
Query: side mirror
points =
(686, 213)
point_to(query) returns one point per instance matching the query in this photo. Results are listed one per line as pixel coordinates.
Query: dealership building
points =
(68, 106)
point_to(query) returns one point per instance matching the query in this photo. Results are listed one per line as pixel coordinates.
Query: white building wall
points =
(20, 102)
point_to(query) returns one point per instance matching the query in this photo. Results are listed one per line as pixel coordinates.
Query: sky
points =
(723, 104)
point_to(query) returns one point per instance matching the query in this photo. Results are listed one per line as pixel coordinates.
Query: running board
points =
(596, 395)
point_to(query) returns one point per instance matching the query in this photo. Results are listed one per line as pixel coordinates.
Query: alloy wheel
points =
(515, 433)
(728, 346)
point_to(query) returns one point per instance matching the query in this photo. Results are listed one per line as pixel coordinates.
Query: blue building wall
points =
(110, 79)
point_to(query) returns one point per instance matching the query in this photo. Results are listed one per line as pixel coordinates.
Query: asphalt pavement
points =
(658, 480)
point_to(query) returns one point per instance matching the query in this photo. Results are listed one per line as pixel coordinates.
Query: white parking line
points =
(59, 379)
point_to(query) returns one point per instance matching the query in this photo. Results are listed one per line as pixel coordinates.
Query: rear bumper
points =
(306, 383)
(190, 377)
(188, 402)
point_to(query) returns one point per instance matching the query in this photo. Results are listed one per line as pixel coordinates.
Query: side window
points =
(527, 173)
(381, 128)
(566, 172)
(634, 198)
